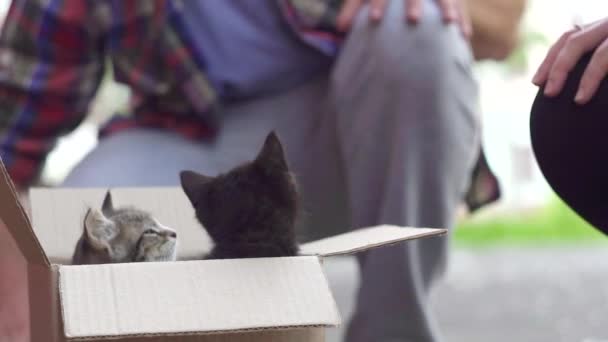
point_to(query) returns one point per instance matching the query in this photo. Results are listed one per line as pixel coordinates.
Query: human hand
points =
(567, 51)
(452, 11)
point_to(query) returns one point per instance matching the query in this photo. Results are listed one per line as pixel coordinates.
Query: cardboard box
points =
(252, 300)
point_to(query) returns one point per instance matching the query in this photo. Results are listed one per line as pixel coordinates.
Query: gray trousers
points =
(389, 136)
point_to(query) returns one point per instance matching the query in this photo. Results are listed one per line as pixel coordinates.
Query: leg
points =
(566, 138)
(405, 101)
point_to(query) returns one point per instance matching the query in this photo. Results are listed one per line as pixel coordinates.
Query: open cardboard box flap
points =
(364, 239)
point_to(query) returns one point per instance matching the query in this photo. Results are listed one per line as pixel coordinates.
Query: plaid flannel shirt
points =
(52, 59)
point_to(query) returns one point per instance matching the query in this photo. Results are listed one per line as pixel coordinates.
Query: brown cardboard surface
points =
(364, 239)
(58, 215)
(45, 318)
(17, 221)
(187, 297)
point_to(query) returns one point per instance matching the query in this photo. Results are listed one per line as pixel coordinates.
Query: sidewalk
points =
(506, 294)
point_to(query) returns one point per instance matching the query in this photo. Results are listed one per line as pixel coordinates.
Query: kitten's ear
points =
(272, 153)
(99, 230)
(107, 208)
(192, 182)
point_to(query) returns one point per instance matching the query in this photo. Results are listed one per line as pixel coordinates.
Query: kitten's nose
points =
(170, 233)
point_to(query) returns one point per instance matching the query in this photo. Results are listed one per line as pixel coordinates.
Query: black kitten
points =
(249, 212)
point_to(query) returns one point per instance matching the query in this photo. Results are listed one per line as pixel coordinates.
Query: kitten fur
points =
(250, 211)
(123, 235)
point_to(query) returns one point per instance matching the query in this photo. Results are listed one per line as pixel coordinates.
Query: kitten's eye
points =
(150, 232)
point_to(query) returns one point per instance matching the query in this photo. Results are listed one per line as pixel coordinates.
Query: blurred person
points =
(569, 117)
(374, 100)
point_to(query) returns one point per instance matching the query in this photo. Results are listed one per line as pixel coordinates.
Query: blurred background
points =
(523, 269)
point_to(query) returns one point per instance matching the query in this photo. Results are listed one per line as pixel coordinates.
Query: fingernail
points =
(580, 96)
(535, 80)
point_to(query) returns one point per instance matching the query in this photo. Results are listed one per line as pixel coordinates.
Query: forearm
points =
(49, 70)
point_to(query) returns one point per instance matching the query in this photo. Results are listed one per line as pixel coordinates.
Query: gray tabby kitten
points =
(123, 235)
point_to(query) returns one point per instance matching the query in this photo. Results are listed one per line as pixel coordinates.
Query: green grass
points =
(553, 224)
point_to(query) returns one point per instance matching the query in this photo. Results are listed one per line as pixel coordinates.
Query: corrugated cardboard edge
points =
(189, 334)
(424, 232)
(334, 303)
(45, 320)
(16, 220)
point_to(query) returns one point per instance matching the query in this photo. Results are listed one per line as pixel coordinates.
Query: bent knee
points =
(401, 52)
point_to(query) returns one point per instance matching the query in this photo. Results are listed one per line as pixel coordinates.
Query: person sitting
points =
(568, 120)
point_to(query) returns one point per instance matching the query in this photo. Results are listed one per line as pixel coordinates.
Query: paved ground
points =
(542, 294)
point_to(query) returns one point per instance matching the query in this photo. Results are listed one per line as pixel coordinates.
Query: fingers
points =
(449, 10)
(565, 60)
(543, 70)
(377, 8)
(452, 10)
(413, 10)
(464, 21)
(593, 75)
(349, 9)
(575, 46)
